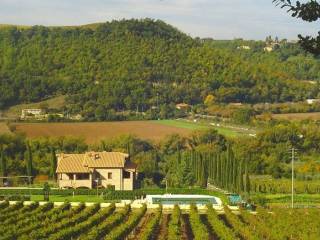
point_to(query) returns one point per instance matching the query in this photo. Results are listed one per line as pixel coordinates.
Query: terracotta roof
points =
(105, 159)
(81, 163)
(71, 163)
(130, 165)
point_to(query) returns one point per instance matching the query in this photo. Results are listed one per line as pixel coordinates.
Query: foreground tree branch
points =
(310, 12)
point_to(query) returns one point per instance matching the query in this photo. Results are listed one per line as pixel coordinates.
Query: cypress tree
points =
(53, 164)
(247, 178)
(205, 171)
(223, 172)
(29, 162)
(240, 176)
(214, 166)
(3, 163)
(218, 176)
(234, 174)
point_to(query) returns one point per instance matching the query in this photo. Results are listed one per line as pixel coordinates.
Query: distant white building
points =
(244, 47)
(31, 113)
(268, 49)
(312, 101)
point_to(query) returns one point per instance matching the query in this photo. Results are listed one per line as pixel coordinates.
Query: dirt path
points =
(135, 234)
(163, 228)
(204, 220)
(186, 228)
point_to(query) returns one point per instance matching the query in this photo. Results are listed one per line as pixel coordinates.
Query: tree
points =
(46, 191)
(240, 176)
(29, 162)
(53, 164)
(247, 177)
(209, 100)
(310, 12)
(243, 115)
(3, 163)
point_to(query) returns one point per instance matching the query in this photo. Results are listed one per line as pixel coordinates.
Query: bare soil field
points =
(94, 132)
(297, 116)
(4, 128)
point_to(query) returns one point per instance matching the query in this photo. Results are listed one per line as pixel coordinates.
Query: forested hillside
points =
(136, 64)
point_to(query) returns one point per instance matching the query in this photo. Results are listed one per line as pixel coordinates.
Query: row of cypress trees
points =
(28, 161)
(222, 169)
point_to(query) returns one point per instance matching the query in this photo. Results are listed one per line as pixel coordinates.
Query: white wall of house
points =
(115, 180)
(108, 176)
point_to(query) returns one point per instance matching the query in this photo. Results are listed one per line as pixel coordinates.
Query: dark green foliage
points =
(53, 166)
(3, 162)
(247, 178)
(136, 64)
(29, 162)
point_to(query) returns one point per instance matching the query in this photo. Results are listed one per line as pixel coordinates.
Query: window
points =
(109, 175)
(82, 176)
(70, 176)
(126, 174)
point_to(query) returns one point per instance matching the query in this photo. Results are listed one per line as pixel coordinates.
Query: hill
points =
(51, 103)
(137, 64)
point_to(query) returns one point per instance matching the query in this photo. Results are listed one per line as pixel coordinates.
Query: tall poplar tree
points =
(29, 162)
(247, 177)
(53, 166)
(3, 163)
(240, 176)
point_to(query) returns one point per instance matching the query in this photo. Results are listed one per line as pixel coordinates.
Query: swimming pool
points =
(181, 199)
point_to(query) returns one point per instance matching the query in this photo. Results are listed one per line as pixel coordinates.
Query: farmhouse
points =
(96, 169)
(183, 106)
(31, 113)
(312, 101)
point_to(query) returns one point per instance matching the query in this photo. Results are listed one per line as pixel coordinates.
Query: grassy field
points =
(203, 125)
(299, 199)
(15, 111)
(95, 132)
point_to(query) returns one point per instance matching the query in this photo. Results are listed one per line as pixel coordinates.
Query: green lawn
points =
(199, 126)
(283, 200)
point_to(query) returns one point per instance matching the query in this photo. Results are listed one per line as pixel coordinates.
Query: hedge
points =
(107, 194)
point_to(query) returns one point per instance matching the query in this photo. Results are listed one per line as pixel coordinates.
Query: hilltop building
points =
(32, 113)
(183, 106)
(96, 169)
(312, 101)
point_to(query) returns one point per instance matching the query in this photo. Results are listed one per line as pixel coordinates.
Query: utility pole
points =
(293, 157)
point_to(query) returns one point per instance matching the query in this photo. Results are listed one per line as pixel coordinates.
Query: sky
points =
(218, 19)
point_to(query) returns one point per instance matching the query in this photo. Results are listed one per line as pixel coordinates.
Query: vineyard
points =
(82, 222)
